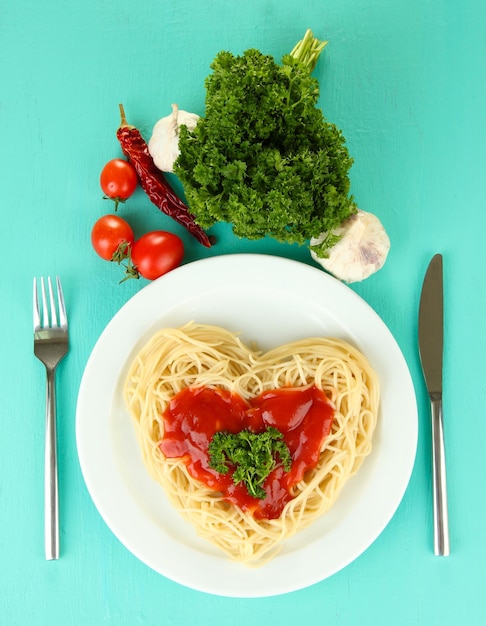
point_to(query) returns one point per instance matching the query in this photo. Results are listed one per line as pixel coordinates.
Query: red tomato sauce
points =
(303, 415)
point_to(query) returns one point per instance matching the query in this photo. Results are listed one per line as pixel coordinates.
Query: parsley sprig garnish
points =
(252, 456)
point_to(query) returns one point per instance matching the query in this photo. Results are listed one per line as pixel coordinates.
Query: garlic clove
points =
(361, 250)
(163, 145)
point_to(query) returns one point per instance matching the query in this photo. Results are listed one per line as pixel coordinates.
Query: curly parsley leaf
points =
(251, 456)
(263, 157)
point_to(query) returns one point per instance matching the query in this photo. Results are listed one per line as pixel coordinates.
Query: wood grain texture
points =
(406, 83)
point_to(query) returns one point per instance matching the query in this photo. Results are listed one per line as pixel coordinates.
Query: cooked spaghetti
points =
(197, 355)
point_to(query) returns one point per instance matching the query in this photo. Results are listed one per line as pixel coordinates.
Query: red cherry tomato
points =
(118, 180)
(156, 253)
(109, 234)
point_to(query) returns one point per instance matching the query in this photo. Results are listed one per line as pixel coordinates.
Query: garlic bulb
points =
(164, 143)
(361, 250)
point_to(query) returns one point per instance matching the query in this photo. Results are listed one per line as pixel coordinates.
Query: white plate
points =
(270, 300)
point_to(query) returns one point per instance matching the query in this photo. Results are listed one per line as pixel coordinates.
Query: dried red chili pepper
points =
(153, 181)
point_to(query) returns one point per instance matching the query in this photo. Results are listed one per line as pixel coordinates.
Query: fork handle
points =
(51, 495)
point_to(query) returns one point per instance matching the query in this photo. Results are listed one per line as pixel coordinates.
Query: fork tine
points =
(52, 304)
(62, 309)
(36, 307)
(44, 305)
(45, 314)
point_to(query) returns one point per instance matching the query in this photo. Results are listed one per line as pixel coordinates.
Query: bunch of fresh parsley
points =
(263, 157)
(251, 456)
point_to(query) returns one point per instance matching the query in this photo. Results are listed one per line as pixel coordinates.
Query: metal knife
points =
(431, 340)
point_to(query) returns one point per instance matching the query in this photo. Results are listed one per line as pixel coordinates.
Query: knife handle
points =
(441, 518)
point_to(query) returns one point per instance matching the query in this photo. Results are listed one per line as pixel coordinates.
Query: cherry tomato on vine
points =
(156, 253)
(111, 237)
(118, 180)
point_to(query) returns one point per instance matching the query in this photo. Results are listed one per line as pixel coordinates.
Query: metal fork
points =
(50, 346)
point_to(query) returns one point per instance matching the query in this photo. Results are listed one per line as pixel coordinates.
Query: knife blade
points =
(431, 348)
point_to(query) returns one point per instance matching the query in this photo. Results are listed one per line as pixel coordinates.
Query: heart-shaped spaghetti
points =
(204, 356)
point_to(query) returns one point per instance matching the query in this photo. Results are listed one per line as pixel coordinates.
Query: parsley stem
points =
(308, 50)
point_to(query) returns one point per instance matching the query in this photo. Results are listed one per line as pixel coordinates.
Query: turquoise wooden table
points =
(405, 81)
